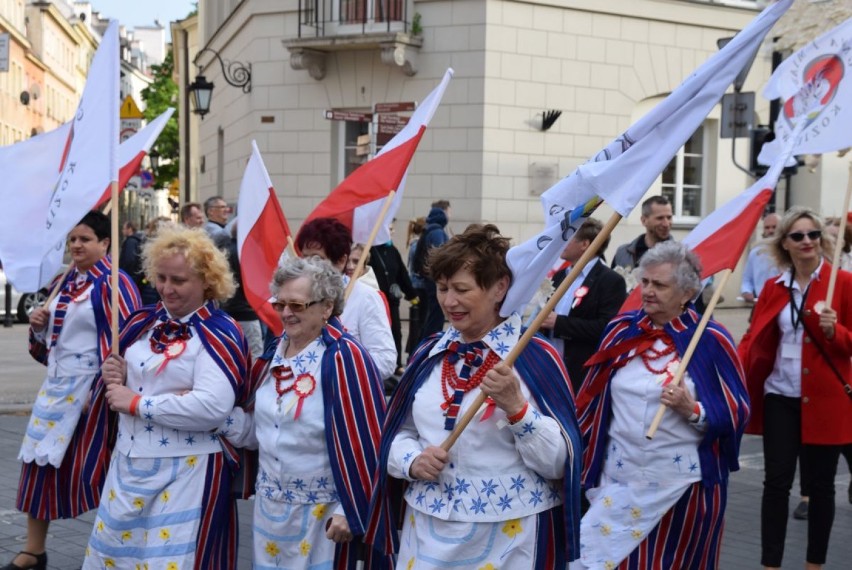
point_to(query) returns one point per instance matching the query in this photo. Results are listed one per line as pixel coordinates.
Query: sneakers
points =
(800, 513)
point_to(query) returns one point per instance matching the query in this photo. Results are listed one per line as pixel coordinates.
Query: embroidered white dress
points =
(72, 364)
(295, 494)
(151, 505)
(642, 479)
(482, 512)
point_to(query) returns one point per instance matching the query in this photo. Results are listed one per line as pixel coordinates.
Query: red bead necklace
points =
(654, 354)
(283, 374)
(450, 381)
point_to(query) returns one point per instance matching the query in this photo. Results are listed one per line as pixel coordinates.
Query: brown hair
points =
(480, 249)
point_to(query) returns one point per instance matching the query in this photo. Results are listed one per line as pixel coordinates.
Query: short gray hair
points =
(326, 282)
(686, 267)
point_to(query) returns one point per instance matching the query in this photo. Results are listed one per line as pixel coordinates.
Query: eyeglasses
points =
(294, 306)
(813, 235)
(221, 207)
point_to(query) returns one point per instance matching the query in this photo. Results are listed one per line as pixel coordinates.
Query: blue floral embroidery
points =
(420, 497)
(148, 415)
(312, 497)
(148, 403)
(407, 457)
(536, 497)
(289, 496)
(229, 421)
(322, 482)
(431, 485)
(619, 464)
(518, 482)
(529, 427)
(268, 492)
(149, 428)
(437, 505)
(190, 440)
(493, 335)
(478, 506)
(299, 484)
(488, 487)
(164, 441)
(536, 415)
(502, 347)
(462, 486)
(448, 490)
(456, 504)
(677, 459)
(508, 328)
(693, 467)
(505, 502)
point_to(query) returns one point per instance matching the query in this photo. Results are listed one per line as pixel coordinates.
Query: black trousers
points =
(782, 444)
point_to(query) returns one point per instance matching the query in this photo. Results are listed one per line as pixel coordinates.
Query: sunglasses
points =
(813, 235)
(294, 306)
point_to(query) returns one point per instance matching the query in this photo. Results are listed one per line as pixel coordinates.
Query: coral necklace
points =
(451, 381)
(653, 354)
(303, 385)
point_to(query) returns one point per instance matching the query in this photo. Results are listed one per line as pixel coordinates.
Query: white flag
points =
(825, 106)
(623, 171)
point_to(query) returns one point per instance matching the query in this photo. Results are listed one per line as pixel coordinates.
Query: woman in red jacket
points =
(796, 356)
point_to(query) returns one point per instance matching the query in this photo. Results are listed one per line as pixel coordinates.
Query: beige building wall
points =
(602, 64)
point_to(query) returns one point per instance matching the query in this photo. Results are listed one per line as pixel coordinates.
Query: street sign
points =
(343, 115)
(737, 115)
(395, 107)
(126, 132)
(389, 125)
(147, 178)
(129, 109)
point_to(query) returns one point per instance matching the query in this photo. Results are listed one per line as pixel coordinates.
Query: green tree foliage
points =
(159, 96)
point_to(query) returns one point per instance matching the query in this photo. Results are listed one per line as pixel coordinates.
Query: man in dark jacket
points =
(130, 257)
(434, 235)
(657, 219)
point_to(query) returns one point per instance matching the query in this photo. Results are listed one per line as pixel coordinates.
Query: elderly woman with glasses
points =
(660, 503)
(166, 502)
(796, 355)
(316, 420)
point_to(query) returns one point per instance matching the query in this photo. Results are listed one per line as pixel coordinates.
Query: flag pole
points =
(58, 287)
(548, 308)
(838, 247)
(291, 246)
(373, 233)
(114, 268)
(690, 349)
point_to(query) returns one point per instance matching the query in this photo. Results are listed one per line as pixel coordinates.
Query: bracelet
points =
(696, 413)
(134, 404)
(520, 415)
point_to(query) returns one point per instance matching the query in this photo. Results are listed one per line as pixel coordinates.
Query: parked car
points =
(23, 304)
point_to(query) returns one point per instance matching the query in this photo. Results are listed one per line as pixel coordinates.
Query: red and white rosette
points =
(578, 296)
(303, 386)
(170, 352)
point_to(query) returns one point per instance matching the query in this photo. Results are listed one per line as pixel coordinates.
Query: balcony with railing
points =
(327, 26)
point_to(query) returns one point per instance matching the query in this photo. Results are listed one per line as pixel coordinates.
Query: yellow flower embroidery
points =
(512, 528)
(172, 566)
(411, 519)
(635, 512)
(165, 496)
(139, 503)
(51, 423)
(191, 460)
(607, 501)
(318, 511)
(100, 526)
(112, 494)
(636, 534)
(165, 534)
(126, 535)
(304, 547)
(272, 549)
(610, 565)
(410, 564)
(61, 439)
(606, 529)
(488, 566)
(109, 563)
(36, 422)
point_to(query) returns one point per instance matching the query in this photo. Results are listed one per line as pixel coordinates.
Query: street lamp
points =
(236, 74)
(154, 157)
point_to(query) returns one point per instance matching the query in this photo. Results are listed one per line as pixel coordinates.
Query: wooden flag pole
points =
(373, 234)
(548, 308)
(291, 246)
(835, 262)
(114, 269)
(58, 287)
(690, 349)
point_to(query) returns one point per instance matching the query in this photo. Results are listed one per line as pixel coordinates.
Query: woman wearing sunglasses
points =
(796, 356)
(315, 420)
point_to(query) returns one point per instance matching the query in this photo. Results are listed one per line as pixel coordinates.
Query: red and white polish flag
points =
(358, 200)
(262, 235)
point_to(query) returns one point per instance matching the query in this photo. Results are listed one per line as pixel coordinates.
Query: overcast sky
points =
(132, 13)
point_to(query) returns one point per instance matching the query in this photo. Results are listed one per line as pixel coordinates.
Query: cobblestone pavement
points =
(21, 377)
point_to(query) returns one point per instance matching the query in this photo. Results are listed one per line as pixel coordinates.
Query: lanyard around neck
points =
(797, 312)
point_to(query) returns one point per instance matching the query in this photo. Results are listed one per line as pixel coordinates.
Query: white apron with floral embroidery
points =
(149, 514)
(642, 479)
(295, 494)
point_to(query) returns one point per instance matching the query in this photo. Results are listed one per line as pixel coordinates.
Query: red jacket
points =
(826, 408)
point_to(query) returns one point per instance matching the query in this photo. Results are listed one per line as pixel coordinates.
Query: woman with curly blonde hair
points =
(180, 372)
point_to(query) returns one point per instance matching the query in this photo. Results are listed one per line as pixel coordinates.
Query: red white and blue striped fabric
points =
(48, 493)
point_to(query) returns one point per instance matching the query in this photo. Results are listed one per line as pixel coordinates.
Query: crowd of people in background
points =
(341, 427)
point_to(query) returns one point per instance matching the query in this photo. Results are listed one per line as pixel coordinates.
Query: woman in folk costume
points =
(65, 450)
(166, 500)
(660, 503)
(507, 493)
(796, 357)
(316, 418)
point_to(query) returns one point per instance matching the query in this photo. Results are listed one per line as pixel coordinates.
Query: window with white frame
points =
(683, 179)
(352, 154)
(360, 11)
